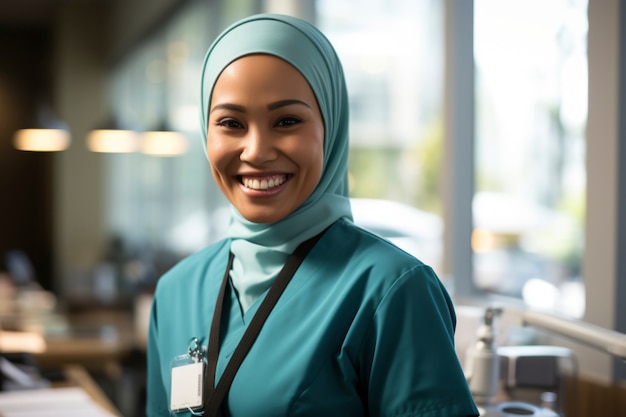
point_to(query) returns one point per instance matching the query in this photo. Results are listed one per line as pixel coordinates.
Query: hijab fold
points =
(261, 250)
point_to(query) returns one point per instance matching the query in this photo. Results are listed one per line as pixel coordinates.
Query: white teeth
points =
(265, 183)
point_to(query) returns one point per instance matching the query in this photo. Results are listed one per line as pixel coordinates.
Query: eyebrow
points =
(283, 103)
(228, 106)
(271, 106)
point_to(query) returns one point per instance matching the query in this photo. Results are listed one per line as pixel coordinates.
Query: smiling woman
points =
(313, 315)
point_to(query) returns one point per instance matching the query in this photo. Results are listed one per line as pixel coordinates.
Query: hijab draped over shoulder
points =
(261, 250)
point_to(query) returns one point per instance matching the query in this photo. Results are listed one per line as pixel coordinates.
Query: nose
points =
(258, 147)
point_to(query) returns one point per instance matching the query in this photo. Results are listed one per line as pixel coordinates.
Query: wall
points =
(600, 257)
(25, 177)
(80, 53)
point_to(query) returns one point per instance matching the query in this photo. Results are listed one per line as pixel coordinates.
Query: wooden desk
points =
(77, 376)
(104, 344)
(97, 341)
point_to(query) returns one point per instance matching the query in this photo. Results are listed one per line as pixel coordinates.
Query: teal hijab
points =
(261, 249)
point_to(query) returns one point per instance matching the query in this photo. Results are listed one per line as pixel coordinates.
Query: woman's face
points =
(265, 137)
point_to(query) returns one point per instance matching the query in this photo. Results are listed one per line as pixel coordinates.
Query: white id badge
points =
(187, 382)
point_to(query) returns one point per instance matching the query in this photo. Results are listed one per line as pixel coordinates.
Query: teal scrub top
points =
(362, 329)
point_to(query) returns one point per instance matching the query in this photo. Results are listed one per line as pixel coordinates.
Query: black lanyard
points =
(214, 394)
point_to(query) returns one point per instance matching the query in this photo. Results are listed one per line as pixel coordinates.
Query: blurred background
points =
(485, 139)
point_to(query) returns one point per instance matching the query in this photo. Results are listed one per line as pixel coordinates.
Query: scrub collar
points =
(261, 249)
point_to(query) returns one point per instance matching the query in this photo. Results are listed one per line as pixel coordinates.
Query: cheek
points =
(218, 163)
(315, 155)
(217, 152)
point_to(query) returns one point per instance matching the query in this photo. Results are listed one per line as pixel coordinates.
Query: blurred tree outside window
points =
(392, 54)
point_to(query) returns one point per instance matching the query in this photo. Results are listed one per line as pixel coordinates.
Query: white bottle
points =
(483, 363)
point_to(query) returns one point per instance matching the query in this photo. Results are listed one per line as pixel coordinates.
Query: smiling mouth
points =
(264, 183)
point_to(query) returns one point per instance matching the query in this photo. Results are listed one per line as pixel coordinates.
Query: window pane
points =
(392, 53)
(531, 99)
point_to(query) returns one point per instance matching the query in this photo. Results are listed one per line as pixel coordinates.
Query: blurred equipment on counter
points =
(514, 408)
(537, 374)
(483, 372)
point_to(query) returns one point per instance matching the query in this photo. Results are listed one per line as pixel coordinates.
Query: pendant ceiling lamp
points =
(162, 142)
(111, 138)
(45, 134)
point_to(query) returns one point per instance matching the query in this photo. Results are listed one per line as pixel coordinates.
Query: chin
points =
(262, 218)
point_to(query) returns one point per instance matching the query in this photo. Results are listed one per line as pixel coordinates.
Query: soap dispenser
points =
(482, 361)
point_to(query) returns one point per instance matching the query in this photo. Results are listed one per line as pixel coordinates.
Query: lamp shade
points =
(41, 140)
(112, 141)
(45, 134)
(111, 138)
(163, 142)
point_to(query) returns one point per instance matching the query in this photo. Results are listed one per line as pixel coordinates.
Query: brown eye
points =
(230, 124)
(288, 121)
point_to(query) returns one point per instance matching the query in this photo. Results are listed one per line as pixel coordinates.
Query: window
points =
(531, 97)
